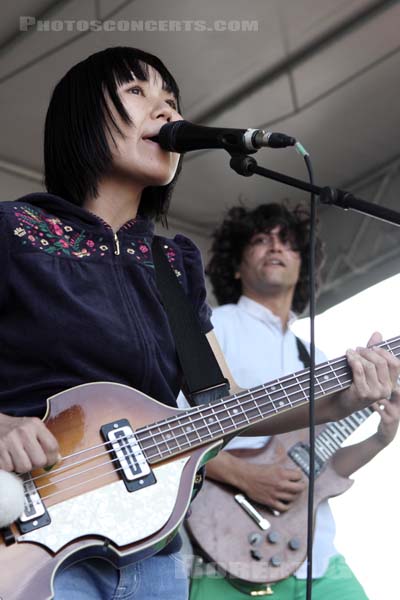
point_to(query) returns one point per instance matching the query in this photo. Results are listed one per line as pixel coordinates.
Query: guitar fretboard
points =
(334, 434)
(236, 412)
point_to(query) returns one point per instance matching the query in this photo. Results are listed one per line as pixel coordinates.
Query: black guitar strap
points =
(204, 379)
(304, 355)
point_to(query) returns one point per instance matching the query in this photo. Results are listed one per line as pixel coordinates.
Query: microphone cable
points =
(311, 406)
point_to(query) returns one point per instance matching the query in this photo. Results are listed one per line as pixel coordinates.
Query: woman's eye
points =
(172, 104)
(135, 90)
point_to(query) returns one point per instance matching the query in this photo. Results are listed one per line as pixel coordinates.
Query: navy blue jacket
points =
(79, 305)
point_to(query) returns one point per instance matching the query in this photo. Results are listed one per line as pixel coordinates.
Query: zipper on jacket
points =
(116, 241)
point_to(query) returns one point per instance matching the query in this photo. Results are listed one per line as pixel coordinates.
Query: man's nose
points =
(275, 242)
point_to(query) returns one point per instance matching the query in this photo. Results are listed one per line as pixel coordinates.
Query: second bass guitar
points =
(247, 540)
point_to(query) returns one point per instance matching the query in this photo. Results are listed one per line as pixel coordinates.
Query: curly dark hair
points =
(235, 232)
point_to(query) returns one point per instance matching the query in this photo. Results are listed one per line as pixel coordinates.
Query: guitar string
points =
(102, 475)
(131, 454)
(121, 468)
(279, 382)
(232, 398)
(266, 387)
(82, 472)
(128, 455)
(61, 480)
(190, 414)
(326, 389)
(218, 422)
(46, 497)
(263, 387)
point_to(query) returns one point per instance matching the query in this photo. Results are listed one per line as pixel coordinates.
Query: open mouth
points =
(274, 263)
(152, 140)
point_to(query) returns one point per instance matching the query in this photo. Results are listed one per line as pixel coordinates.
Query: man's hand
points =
(349, 459)
(273, 485)
(26, 444)
(375, 373)
(389, 411)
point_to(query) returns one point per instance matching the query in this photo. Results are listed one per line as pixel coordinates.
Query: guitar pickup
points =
(128, 456)
(300, 454)
(35, 514)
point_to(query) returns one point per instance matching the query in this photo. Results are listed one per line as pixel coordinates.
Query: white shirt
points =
(257, 351)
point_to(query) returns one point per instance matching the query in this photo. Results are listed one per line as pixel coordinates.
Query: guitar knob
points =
(294, 544)
(275, 561)
(256, 554)
(255, 538)
(273, 537)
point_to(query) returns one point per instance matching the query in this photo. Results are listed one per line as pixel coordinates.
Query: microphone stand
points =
(247, 165)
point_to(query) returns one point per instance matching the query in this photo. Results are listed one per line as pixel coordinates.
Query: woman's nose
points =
(165, 111)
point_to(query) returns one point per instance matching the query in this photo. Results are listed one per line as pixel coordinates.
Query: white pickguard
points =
(112, 512)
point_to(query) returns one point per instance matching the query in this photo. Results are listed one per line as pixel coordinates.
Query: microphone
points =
(182, 136)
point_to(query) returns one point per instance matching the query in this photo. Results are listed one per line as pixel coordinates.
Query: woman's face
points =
(136, 157)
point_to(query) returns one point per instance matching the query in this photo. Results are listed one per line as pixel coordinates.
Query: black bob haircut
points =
(232, 236)
(76, 150)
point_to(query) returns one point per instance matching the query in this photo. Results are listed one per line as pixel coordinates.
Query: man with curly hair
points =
(259, 273)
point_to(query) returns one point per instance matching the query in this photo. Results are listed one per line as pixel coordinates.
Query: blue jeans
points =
(161, 577)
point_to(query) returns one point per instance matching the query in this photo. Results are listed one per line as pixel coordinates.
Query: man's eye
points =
(172, 104)
(260, 240)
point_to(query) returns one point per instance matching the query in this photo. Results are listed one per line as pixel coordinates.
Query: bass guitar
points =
(128, 465)
(249, 541)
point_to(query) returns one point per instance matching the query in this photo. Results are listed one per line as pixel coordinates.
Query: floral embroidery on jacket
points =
(49, 234)
(37, 228)
(171, 255)
(140, 249)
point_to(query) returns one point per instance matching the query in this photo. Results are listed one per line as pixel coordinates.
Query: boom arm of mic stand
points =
(247, 165)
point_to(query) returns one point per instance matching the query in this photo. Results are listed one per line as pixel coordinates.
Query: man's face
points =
(149, 107)
(269, 264)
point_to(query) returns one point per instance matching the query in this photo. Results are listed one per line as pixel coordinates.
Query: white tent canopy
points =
(325, 72)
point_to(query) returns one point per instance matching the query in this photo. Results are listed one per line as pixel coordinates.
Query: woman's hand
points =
(26, 444)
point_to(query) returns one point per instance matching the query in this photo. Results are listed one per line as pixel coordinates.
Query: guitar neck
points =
(233, 414)
(332, 437)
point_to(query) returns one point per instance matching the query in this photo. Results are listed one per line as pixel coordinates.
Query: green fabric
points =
(338, 583)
